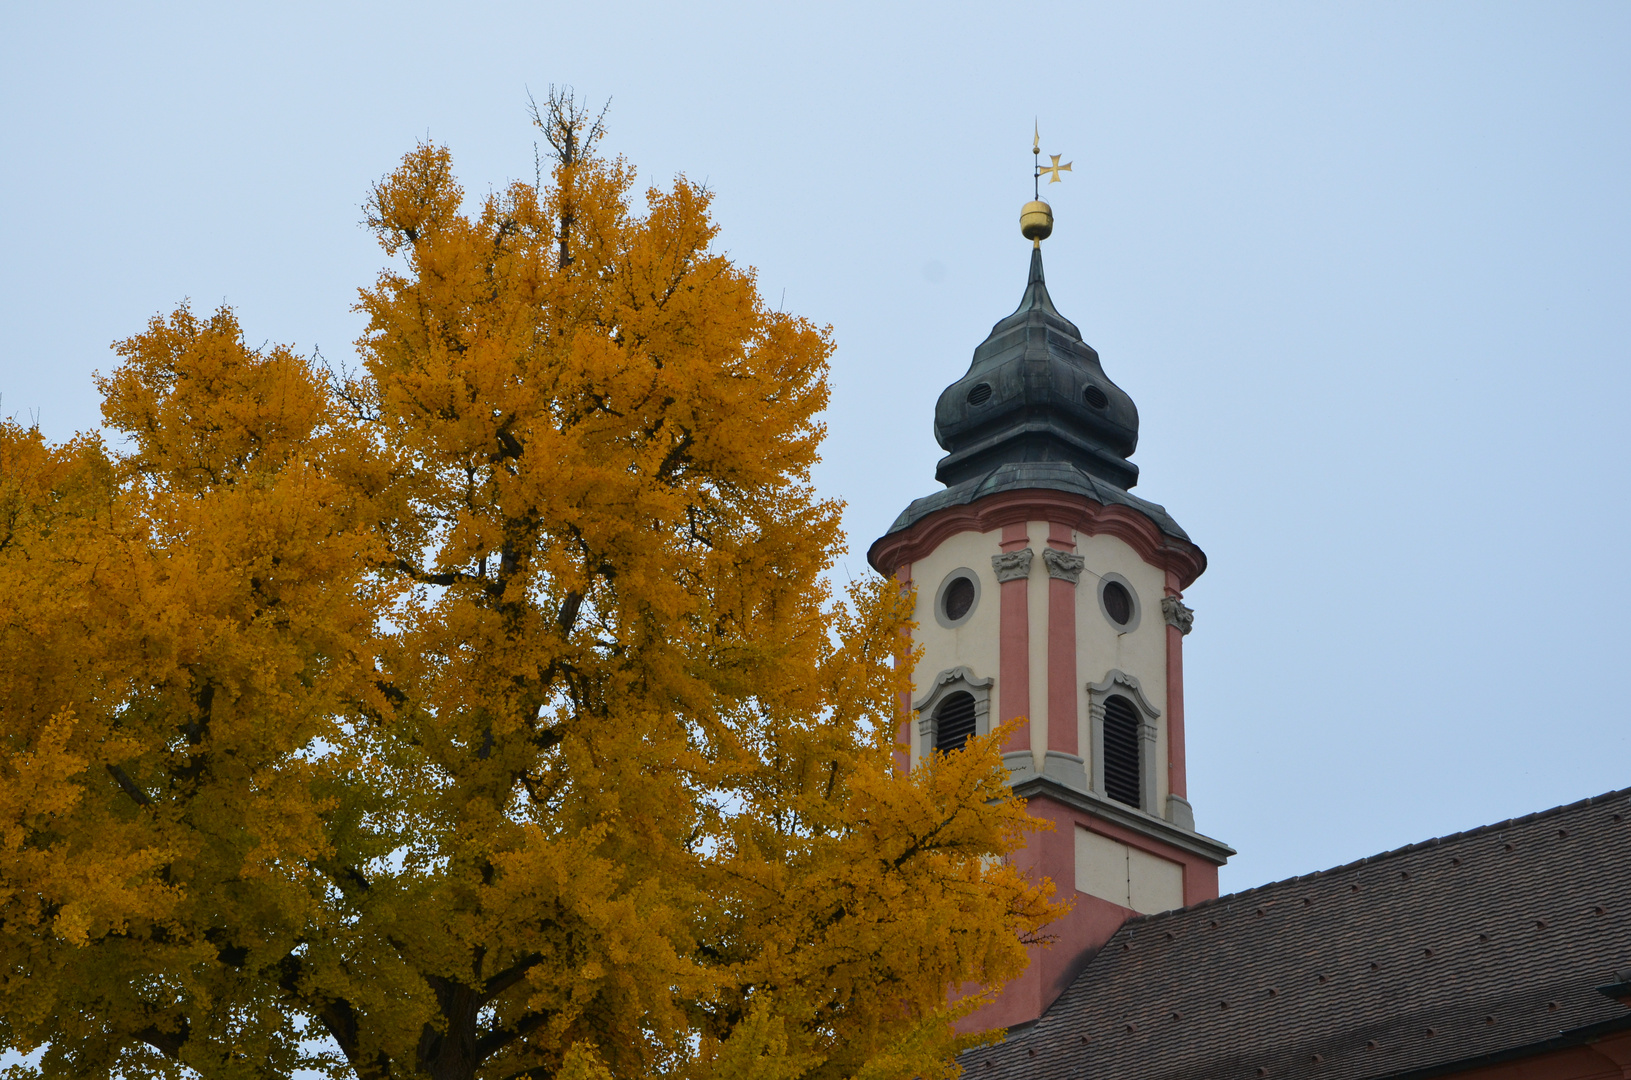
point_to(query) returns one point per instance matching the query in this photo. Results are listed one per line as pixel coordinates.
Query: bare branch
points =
(566, 125)
(572, 136)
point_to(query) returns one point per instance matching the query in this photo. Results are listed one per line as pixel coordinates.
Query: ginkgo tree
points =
(482, 711)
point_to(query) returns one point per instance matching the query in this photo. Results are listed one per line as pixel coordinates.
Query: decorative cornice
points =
(1041, 504)
(1118, 681)
(960, 674)
(1063, 565)
(1013, 565)
(1128, 817)
(1177, 614)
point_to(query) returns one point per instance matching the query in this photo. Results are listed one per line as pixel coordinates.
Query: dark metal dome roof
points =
(1036, 393)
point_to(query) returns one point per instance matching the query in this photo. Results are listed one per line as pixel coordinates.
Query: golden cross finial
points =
(1055, 169)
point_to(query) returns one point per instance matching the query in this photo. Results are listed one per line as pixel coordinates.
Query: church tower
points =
(1046, 591)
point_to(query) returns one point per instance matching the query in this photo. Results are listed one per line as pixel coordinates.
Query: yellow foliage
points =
(483, 713)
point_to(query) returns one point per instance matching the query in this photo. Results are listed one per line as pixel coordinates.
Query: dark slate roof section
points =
(1475, 947)
(1047, 475)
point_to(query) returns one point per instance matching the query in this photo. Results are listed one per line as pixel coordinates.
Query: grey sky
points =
(1363, 267)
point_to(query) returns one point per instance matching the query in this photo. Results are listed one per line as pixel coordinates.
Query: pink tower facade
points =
(1045, 590)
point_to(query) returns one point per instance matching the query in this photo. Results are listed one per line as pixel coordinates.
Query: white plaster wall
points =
(1153, 883)
(975, 644)
(1126, 875)
(1101, 867)
(1101, 645)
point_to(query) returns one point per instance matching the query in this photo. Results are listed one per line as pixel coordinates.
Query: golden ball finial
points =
(1036, 220)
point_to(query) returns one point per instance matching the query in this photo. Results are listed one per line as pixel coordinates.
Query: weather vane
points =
(1036, 217)
(1052, 170)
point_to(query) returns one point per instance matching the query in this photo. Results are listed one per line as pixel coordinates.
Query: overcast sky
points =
(1363, 268)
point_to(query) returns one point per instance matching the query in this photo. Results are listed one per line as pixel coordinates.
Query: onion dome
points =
(1036, 412)
(1036, 393)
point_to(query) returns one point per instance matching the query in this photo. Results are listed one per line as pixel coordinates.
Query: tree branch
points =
(340, 1020)
(168, 1043)
(451, 577)
(503, 980)
(494, 1041)
(569, 611)
(348, 879)
(140, 797)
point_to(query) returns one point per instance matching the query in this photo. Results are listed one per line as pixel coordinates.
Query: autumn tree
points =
(482, 712)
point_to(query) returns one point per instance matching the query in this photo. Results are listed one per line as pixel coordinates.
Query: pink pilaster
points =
(1061, 650)
(1175, 700)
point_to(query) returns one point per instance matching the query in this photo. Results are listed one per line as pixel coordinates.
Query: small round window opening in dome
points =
(1095, 397)
(980, 394)
(959, 598)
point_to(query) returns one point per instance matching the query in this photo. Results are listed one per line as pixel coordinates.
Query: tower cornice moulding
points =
(993, 512)
(1128, 817)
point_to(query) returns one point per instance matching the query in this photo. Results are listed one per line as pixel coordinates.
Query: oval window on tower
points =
(957, 598)
(1119, 602)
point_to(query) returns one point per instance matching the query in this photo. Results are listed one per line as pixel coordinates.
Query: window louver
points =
(954, 722)
(1121, 779)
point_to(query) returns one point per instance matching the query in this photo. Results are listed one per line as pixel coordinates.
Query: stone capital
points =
(1012, 565)
(1063, 565)
(1177, 615)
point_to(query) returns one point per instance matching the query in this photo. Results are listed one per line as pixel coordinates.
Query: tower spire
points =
(1036, 288)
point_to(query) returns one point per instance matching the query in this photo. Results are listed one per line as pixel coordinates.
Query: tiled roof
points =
(1459, 948)
(1032, 475)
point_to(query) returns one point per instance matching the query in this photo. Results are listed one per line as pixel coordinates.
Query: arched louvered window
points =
(1121, 747)
(954, 722)
(956, 708)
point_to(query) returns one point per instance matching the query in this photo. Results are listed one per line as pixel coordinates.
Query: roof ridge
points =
(1392, 853)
